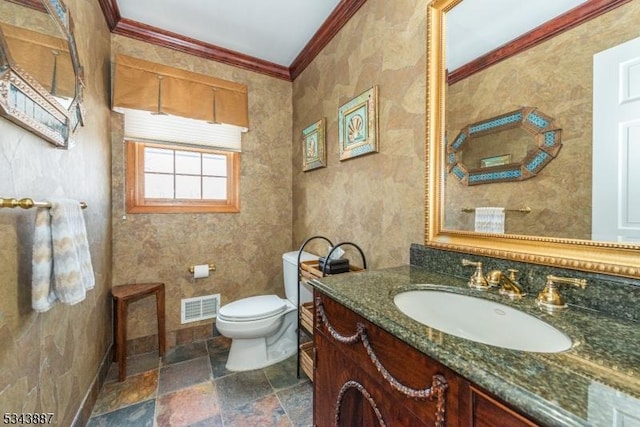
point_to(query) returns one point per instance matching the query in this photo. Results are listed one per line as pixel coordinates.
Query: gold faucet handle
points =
(467, 263)
(477, 280)
(555, 280)
(549, 298)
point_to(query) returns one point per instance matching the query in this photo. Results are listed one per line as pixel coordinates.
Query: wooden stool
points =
(122, 296)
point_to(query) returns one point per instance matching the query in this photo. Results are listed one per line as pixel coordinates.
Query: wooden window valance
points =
(179, 92)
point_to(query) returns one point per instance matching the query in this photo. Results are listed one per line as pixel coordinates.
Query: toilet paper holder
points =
(212, 267)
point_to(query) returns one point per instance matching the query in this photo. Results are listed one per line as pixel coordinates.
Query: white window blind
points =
(142, 125)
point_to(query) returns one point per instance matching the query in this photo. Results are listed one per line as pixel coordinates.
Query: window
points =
(171, 179)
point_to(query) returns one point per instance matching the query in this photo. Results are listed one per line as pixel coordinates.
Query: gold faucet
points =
(477, 280)
(509, 285)
(549, 298)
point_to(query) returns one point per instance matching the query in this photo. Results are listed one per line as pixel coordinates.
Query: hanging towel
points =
(42, 295)
(72, 269)
(67, 261)
(489, 220)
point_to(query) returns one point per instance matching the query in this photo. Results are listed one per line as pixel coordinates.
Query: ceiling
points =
(281, 37)
(275, 37)
(274, 30)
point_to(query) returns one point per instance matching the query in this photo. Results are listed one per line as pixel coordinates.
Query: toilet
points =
(263, 329)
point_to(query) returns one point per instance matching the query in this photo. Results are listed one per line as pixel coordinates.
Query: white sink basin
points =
(481, 320)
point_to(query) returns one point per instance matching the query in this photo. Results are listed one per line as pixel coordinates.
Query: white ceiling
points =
(273, 30)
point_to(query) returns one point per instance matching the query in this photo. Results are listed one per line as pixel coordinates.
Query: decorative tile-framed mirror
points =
(529, 138)
(40, 71)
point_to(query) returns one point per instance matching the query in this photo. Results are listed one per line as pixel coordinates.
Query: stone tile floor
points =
(191, 387)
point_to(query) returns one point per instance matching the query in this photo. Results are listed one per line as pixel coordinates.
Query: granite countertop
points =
(577, 387)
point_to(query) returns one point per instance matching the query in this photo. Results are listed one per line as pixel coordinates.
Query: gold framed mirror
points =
(40, 72)
(609, 257)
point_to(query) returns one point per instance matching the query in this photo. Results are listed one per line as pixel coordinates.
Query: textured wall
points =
(48, 361)
(377, 200)
(246, 247)
(556, 77)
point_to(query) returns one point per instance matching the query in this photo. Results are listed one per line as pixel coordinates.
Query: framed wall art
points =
(314, 150)
(358, 125)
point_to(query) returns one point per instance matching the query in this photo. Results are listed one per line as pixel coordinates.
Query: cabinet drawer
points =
(487, 411)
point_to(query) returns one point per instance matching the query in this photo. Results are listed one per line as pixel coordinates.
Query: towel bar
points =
(524, 209)
(27, 203)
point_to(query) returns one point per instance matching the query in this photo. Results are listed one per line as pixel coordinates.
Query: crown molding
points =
(111, 12)
(334, 23)
(159, 37)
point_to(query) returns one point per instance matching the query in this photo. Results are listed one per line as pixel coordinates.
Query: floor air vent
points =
(200, 308)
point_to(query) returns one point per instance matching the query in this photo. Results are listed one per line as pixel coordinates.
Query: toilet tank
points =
(290, 272)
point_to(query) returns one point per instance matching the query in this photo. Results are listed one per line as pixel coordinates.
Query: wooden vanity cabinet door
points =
(348, 366)
(346, 396)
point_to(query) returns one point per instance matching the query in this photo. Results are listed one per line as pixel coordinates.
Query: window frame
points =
(134, 183)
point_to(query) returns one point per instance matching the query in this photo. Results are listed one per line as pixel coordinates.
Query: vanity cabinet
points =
(364, 376)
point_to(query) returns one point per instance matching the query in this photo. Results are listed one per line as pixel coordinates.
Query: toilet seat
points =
(252, 308)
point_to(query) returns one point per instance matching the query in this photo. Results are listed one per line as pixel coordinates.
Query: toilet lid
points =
(253, 308)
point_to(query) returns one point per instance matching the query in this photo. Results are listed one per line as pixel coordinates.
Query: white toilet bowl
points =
(263, 329)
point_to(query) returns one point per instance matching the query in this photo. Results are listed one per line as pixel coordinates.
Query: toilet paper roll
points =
(200, 271)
